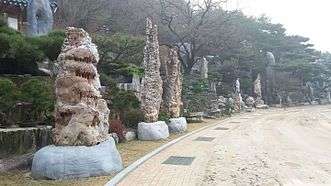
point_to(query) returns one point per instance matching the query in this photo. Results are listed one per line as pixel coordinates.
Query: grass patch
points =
(130, 152)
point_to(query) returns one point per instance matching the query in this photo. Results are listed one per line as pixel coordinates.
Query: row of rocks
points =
(160, 129)
(161, 89)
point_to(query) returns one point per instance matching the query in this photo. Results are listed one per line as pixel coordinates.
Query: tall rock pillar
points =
(151, 91)
(172, 88)
(238, 99)
(270, 78)
(258, 91)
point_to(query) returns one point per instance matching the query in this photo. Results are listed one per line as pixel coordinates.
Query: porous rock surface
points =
(151, 90)
(258, 91)
(81, 115)
(172, 81)
(250, 102)
(238, 100)
(67, 162)
(153, 131)
(177, 125)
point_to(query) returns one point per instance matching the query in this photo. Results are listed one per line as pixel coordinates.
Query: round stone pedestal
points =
(68, 162)
(177, 125)
(153, 131)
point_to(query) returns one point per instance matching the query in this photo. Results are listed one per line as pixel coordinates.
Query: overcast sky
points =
(309, 18)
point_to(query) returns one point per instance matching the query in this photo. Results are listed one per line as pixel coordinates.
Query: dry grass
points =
(130, 152)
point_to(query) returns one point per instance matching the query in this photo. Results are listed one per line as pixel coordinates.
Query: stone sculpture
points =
(172, 81)
(151, 90)
(40, 17)
(200, 68)
(250, 102)
(258, 91)
(83, 146)
(172, 88)
(270, 78)
(81, 116)
(204, 68)
(237, 99)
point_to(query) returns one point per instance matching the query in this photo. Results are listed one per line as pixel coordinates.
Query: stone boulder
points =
(177, 125)
(130, 136)
(262, 107)
(58, 163)
(250, 102)
(153, 131)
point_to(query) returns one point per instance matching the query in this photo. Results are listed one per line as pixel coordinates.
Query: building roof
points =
(24, 3)
(20, 3)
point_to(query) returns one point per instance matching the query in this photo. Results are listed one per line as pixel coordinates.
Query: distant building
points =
(14, 13)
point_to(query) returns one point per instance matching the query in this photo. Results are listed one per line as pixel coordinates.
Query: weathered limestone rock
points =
(238, 99)
(81, 116)
(201, 66)
(40, 17)
(151, 91)
(270, 78)
(172, 81)
(195, 117)
(130, 136)
(258, 91)
(67, 162)
(153, 131)
(177, 125)
(257, 86)
(204, 68)
(250, 102)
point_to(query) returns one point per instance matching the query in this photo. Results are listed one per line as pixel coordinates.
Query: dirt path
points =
(277, 147)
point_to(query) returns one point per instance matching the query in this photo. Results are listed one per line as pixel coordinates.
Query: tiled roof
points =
(24, 3)
(21, 3)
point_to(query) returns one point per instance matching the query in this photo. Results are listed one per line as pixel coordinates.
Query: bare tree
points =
(86, 14)
(191, 22)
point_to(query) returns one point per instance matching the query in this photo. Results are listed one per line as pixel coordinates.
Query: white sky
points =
(309, 18)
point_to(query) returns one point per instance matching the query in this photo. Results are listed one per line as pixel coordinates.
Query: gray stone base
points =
(153, 131)
(68, 162)
(250, 109)
(262, 107)
(177, 125)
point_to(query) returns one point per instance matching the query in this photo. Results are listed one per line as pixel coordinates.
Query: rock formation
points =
(204, 68)
(237, 99)
(250, 102)
(200, 68)
(81, 116)
(40, 17)
(172, 81)
(270, 78)
(151, 91)
(258, 91)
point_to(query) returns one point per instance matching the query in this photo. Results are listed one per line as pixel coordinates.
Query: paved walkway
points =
(242, 151)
